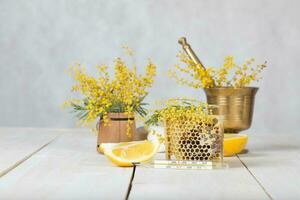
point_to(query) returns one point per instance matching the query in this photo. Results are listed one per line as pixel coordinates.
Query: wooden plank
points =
(234, 182)
(275, 162)
(18, 144)
(68, 168)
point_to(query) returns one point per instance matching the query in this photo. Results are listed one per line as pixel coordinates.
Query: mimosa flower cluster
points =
(124, 93)
(229, 74)
(181, 110)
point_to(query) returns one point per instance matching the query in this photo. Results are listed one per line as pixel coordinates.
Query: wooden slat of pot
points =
(119, 115)
(274, 160)
(232, 183)
(18, 144)
(68, 168)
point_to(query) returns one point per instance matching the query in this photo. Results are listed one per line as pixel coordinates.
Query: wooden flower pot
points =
(116, 129)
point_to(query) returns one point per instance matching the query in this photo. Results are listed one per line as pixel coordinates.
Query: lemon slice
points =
(234, 143)
(124, 154)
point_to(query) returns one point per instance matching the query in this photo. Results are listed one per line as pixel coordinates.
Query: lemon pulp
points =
(124, 154)
(234, 143)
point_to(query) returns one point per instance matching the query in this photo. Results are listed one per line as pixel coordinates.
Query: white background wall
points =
(40, 39)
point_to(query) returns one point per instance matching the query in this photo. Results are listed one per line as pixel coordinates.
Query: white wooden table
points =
(64, 164)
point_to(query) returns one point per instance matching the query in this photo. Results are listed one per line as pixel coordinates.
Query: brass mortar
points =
(235, 104)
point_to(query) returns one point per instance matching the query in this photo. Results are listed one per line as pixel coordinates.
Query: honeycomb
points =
(187, 139)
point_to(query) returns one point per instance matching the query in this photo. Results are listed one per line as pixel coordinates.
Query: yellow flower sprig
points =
(217, 77)
(180, 110)
(102, 94)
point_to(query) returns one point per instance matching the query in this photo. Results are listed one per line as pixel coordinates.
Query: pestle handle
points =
(189, 51)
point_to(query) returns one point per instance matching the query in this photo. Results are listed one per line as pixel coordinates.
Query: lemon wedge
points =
(234, 143)
(126, 153)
